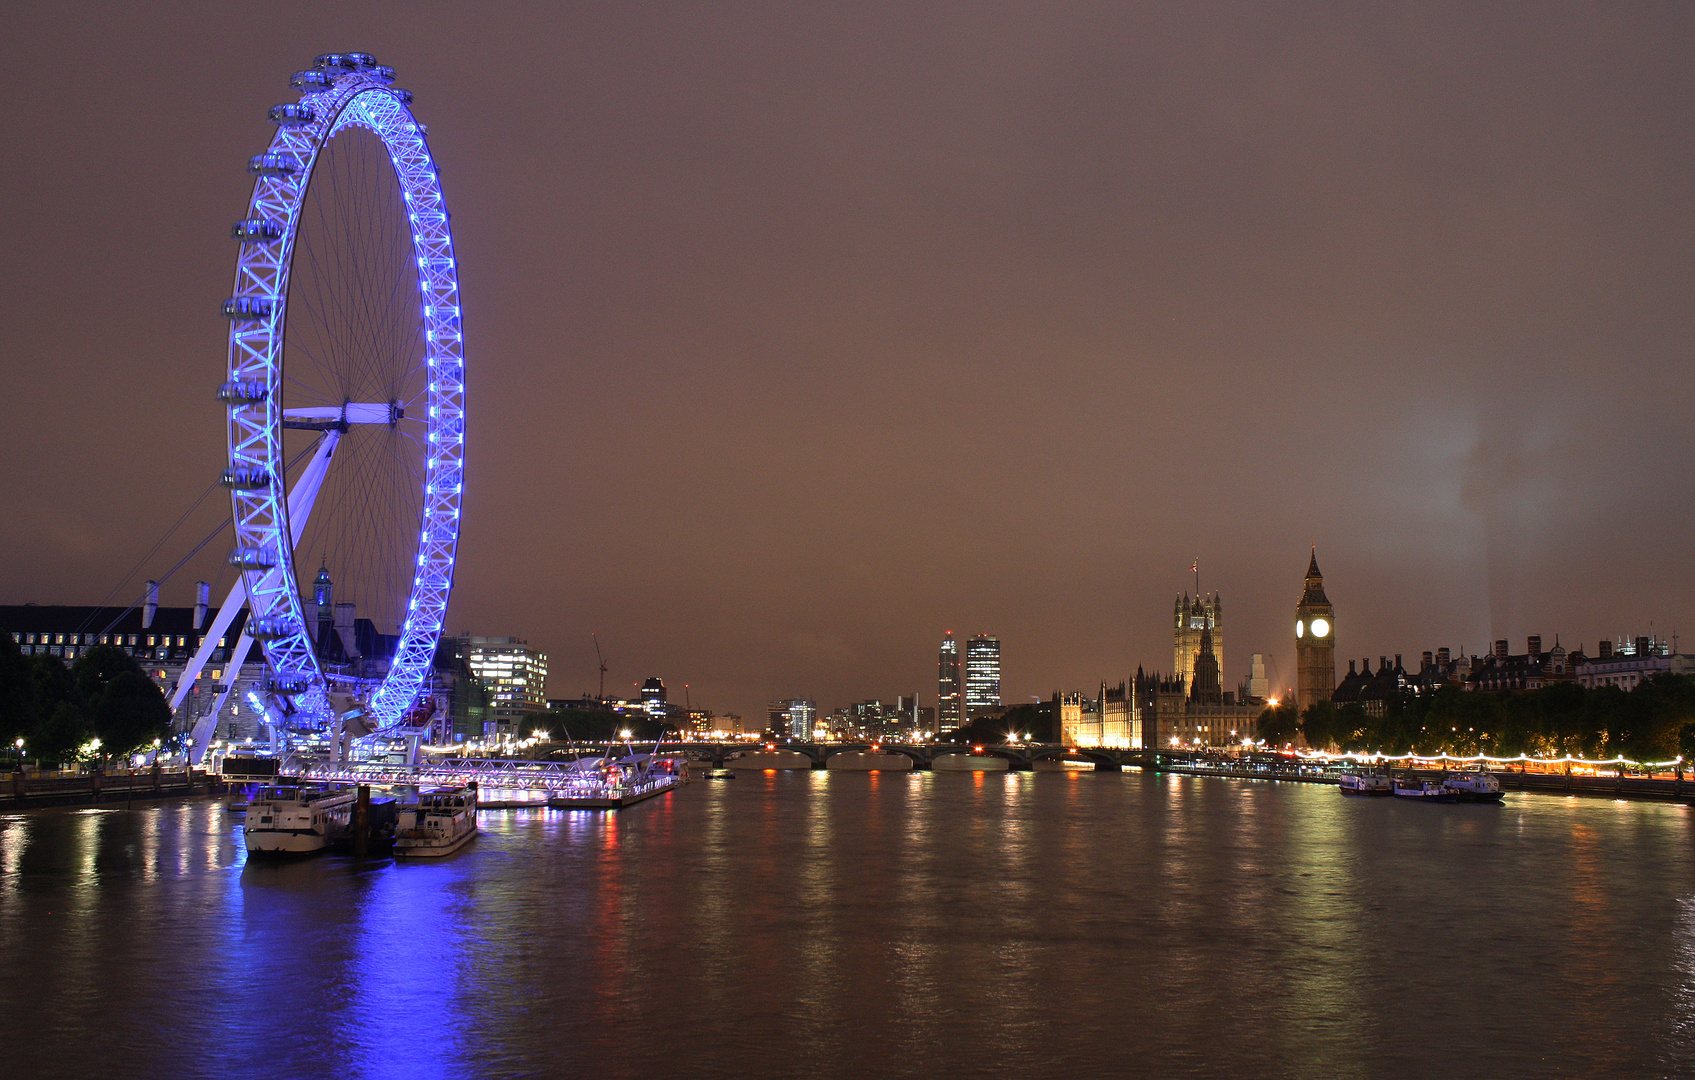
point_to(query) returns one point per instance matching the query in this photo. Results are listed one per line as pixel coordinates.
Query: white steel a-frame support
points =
(300, 502)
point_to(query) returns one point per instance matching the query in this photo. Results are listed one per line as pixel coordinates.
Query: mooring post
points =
(362, 822)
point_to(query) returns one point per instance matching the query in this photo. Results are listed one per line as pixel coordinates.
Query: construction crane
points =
(601, 660)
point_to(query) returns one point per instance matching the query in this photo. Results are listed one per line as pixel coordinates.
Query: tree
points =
(129, 714)
(1020, 720)
(125, 709)
(594, 725)
(17, 693)
(1319, 724)
(1354, 729)
(60, 723)
(1278, 725)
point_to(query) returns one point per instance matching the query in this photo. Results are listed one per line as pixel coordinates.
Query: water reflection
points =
(842, 924)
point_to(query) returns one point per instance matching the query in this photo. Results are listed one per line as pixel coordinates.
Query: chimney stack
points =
(150, 607)
(202, 600)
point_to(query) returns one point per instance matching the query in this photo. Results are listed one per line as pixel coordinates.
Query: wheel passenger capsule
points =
(291, 115)
(312, 82)
(249, 558)
(243, 392)
(245, 308)
(256, 229)
(272, 165)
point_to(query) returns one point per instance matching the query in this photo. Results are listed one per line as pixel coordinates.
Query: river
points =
(884, 924)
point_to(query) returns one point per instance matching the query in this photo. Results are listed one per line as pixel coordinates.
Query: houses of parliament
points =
(1188, 705)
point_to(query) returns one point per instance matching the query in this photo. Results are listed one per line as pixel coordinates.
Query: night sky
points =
(799, 334)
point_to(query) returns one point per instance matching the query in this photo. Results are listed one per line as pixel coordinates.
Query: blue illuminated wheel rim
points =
(378, 338)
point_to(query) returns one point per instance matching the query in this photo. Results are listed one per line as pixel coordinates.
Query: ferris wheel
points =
(345, 397)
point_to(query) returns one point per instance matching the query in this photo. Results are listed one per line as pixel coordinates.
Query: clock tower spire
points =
(1315, 641)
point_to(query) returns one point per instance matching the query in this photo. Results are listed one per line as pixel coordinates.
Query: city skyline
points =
(767, 387)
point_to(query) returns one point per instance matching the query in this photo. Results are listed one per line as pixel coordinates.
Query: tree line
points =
(1654, 722)
(59, 710)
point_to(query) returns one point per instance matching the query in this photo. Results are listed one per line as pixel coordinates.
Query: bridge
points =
(1020, 755)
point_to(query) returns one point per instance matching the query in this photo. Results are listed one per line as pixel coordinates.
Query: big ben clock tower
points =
(1315, 641)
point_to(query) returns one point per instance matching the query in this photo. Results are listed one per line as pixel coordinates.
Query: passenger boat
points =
(291, 819)
(1474, 787)
(442, 822)
(1365, 784)
(1423, 791)
(608, 783)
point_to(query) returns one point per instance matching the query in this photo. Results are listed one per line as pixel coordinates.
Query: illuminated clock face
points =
(1320, 627)
(1300, 628)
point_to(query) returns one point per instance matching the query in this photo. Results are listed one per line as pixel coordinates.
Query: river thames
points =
(884, 924)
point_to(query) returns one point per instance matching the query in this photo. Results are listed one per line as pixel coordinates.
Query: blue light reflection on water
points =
(892, 924)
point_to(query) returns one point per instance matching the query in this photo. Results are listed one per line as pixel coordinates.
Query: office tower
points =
(653, 698)
(514, 675)
(948, 690)
(982, 675)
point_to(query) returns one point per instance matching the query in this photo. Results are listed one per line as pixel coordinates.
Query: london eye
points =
(345, 400)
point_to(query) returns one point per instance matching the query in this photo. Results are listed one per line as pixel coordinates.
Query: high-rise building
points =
(1315, 641)
(982, 675)
(515, 676)
(1189, 619)
(802, 715)
(948, 689)
(653, 698)
(794, 717)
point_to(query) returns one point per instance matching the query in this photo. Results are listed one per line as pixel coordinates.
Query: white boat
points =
(1423, 791)
(605, 783)
(1365, 784)
(442, 822)
(290, 819)
(1474, 786)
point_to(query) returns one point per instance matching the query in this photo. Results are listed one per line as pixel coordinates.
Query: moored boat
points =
(291, 819)
(442, 822)
(1423, 791)
(608, 783)
(1365, 784)
(1474, 787)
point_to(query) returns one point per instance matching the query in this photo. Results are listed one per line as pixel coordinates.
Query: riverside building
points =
(982, 676)
(1626, 663)
(515, 676)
